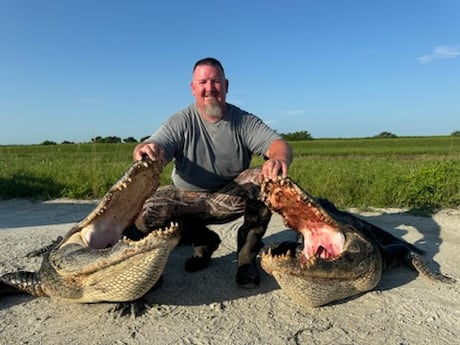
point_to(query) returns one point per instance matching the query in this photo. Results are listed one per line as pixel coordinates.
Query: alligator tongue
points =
(323, 253)
(99, 237)
(322, 242)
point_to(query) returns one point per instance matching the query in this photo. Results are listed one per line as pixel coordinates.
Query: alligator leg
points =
(398, 253)
(43, 250)
(256, 219)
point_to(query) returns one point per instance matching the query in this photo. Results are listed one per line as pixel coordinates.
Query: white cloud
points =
(440, 52)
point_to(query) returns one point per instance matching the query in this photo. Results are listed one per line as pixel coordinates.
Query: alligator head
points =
(94, 262)
(341, 255)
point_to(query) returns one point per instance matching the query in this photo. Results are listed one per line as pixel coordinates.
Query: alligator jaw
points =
(104, 226)
(94, 263)
(335, 262)
(123, 272)
(322, 234)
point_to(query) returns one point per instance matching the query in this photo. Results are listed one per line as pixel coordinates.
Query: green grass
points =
(418, 172)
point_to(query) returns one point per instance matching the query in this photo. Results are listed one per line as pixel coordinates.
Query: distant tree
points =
(112, 140)
(48, 142)
(130, 140)
(385, 135)
(296, 136)
(106, 140)
(67, 142)
(456, 134)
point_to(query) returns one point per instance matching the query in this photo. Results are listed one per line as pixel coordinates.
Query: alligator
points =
(338, 255)
(95, 261)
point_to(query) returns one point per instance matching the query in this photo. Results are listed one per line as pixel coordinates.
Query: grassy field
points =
(415, 172)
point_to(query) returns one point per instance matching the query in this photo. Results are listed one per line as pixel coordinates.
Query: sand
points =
(207, 307)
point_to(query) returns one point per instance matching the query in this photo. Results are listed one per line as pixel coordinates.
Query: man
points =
(212, 143)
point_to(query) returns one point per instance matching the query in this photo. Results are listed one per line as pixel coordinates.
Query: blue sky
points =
(73, 70)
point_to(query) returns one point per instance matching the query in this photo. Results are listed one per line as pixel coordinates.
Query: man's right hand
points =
(152, 150)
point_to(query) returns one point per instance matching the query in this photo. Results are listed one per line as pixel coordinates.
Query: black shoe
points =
(206, 243)
(247, 276)
(197, 263)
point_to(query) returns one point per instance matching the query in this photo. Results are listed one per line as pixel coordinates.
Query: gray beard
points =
(213, 110)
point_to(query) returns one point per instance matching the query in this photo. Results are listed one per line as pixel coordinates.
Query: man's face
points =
(209, 87)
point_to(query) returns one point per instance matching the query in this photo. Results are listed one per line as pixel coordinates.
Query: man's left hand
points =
(273, 167)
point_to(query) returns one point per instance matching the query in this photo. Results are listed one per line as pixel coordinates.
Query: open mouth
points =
(97, 236)
(119, 208)
(326, 246)
(322, 242)
(321, 234)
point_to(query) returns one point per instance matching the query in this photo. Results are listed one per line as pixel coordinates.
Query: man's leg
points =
(192, 211)
(256, 219)
(170, 204)
(204, 242)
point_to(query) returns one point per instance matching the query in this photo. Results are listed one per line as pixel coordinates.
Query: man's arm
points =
(279, 158)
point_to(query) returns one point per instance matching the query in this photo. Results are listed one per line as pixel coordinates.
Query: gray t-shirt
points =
(209, 155)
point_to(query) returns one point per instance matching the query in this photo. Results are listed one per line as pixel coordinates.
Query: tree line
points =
(294, 136)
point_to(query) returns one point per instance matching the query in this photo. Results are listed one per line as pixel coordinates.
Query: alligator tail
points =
(420, 265)
(21, 282)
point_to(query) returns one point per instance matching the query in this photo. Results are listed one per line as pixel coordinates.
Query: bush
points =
(130, 140)
(385, 135)
(296, 136)
(48, 142)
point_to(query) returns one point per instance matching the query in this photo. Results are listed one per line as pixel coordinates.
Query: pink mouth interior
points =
(320, 239)
(100, 236)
